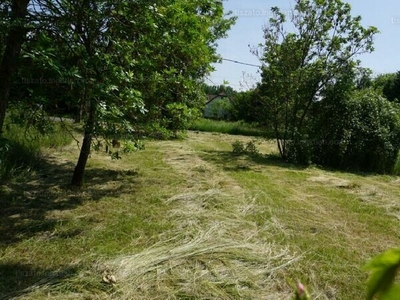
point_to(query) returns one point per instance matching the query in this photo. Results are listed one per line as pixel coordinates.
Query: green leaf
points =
(383, 267)
(386, 259)
(392, 294)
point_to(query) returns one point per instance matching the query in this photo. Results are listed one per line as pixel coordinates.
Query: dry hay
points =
(202, 267)
(331, 181)
(370, 192)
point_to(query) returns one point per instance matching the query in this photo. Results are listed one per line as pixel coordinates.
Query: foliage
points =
(133, 146)
(384, 268)
(218, 89)
(359, 131)
(179, 116)
(299, 65)
(389, 85)
(113, 61)
(174, 66)
(221, 109)
(247, 106)
(238, 148)
(381, 282)
(363, 78)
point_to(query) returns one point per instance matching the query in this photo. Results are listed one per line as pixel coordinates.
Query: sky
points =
(254, 14)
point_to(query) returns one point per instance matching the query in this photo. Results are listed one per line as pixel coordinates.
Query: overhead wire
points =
(241, 63)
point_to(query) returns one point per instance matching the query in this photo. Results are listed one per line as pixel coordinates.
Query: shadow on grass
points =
(19, 279)
(229, 161)
(25, 204)
(29, 209)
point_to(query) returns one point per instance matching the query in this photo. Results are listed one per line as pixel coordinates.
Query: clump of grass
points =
(20, 148)
(237, 128)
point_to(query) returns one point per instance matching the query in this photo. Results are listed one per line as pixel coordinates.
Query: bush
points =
(359, 133)
(239, 148)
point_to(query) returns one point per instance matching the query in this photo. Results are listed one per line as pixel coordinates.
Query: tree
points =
(218, 89)
(118, 59)
(247, 106)
(298, 65)
(13, 35)
(389, 85)
(363, 78)
(131, 57)
(175, 55)
(358, 131)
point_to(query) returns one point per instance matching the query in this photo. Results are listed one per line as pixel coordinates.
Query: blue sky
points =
(254, 14)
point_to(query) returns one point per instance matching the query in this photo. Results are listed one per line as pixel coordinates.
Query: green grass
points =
(236, 128)
(20, 148)
(396, 169)
(187, 219)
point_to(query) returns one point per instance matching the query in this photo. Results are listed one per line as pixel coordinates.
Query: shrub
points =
(360, 133)
(238, 148)
(251, 147)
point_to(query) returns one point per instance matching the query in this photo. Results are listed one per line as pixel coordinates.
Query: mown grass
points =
(51, 234)
(235, 128)
(337, 220)
(186, 219)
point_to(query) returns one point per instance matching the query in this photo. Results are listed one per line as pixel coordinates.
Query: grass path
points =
(187, 220)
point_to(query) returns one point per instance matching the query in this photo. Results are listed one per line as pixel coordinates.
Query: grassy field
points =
(189, 220)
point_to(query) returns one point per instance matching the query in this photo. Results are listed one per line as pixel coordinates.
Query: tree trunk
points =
(9, 62)
(77, 177)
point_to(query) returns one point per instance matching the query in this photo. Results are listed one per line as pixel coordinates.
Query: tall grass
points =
(237, 128)
(396, 169)
(20, 148)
